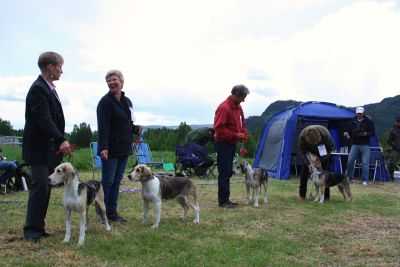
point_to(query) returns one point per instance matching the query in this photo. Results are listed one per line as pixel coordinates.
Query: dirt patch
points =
(363, 240)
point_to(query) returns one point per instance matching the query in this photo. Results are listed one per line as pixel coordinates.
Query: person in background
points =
(361, 129)
(230, 128)
(8, 168)
(201, 136)
(393, 154)
(115, 138)
(317, 140)
(43, 143)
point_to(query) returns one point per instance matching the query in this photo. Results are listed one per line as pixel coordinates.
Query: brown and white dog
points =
(255, 180)
(323, 179)
(154, 189)
(77, 197)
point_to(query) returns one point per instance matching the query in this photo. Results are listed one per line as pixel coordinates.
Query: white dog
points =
(78, 196)
(154, 189)
(255, 180)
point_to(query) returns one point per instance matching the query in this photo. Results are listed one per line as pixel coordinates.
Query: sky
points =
(180, 58)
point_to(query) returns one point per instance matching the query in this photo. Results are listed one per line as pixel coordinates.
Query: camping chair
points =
(193, 159)
(375, 162)
(96, 160)
(144, 155)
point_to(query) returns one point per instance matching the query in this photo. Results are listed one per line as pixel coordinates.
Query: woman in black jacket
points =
(44, 143)
(115, 137)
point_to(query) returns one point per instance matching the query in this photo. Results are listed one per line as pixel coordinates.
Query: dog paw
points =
(108, 228)
(81, 243)
(65, 241)
(154, 226)
(256, 205)
(195, 221)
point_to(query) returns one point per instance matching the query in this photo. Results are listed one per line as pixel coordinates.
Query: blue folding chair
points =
(144, 155)
(96, 160)
(376, 163)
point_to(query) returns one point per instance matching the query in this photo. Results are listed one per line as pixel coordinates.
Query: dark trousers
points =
(225, 155)
(112, 172)
(39, 195)
(305, 174)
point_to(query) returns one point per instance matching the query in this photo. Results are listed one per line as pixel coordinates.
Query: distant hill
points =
(255, 123)
(382, 113)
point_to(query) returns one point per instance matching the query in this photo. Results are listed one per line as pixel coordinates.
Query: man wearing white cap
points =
(362, 128)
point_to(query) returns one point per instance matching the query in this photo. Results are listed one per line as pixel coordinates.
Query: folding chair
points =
(96, 160)
(144, 155)
(376, 162)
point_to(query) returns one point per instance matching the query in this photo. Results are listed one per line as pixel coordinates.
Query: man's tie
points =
(55, 93)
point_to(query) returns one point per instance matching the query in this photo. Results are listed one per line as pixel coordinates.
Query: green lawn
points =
(365, 232)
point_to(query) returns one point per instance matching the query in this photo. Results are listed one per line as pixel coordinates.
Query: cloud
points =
(181, 58)
(199, 50)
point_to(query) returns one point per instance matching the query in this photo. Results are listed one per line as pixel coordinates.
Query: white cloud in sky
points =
(180, 58)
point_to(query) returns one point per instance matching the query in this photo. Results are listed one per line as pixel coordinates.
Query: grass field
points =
(286, 232)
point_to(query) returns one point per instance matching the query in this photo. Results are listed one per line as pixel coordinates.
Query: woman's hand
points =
(104, 154)
(65, 148)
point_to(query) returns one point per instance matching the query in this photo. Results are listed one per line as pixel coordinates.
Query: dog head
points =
(141, 173)
(314, 162)
(243, 165)
(63, 173)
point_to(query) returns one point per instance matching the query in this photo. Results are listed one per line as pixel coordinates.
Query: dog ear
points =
(140, 169)
(147, 171)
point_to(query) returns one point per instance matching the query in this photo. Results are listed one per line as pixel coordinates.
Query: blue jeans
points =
(9, 168)
(355, 152)
(112, 172)
(225, 155)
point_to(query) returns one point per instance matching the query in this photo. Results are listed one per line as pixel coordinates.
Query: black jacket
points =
(394, 139)
(115, 126)
(44, 125)
(360, 132)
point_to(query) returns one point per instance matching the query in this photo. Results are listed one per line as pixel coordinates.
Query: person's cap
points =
(360, 110)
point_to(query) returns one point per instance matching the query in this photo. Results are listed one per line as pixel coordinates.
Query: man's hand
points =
(104, 154)
(65, 148)
(242, 137)
(347, 135)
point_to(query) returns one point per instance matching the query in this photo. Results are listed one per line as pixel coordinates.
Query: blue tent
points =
(276, 150)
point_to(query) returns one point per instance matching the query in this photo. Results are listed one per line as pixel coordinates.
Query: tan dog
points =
(323, 179)
(77, 197)
(255, 180)
(154, 189)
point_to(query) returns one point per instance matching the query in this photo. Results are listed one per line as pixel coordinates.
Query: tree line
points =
(159, 139)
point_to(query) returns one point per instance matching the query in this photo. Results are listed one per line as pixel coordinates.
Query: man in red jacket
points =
(230, 128)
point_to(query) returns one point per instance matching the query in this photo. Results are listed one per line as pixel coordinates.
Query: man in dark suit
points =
(43, 144)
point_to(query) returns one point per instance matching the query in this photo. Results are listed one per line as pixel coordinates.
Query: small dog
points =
(154, 189)
(323, 179)
(77, 197)
(255, 179)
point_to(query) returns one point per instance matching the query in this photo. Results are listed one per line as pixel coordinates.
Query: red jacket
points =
(229, 122)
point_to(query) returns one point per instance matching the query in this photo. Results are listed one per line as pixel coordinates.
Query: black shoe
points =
(117, 218)
(33, 239)
(233, 203)
(227, 205)
(46, 234)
